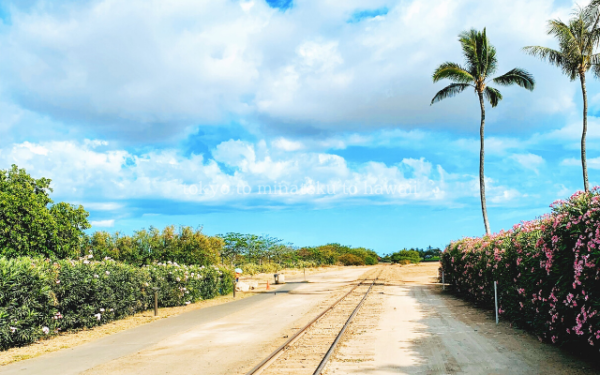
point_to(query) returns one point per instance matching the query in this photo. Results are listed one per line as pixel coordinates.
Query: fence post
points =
(155, 301)
(496, 299)
(443, 281)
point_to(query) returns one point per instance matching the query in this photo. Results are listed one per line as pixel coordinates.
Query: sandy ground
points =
(407, 327)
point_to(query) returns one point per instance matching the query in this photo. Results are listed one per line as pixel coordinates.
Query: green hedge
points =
(39, 298)
(548, 271)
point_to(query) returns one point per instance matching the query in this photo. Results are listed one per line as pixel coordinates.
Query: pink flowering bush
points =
(548, 271)
(40, 298)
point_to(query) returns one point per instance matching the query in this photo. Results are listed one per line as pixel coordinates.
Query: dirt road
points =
(411, 328)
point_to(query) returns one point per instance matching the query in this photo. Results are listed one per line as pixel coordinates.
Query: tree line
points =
(31, 224)
(413, 255)
(578, 40)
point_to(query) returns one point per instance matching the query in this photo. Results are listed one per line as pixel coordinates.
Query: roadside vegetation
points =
(55, 277)
(547, 270)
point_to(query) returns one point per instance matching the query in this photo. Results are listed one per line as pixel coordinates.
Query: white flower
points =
(98, 316)
(90, 256)
(46, 330)
(101, 310)
(147, 284)
(188, 302)
(111, 310)
(96, 276)
(108, 273)
(178, 279)
(86, 262)
(58, 281)
(13, 329)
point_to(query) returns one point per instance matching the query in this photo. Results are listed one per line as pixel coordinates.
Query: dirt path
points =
(408, 327)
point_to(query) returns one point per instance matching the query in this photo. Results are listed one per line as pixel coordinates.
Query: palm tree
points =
(480, 63)
(575, 56)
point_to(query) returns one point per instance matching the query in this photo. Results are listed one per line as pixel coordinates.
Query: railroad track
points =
(309, 350)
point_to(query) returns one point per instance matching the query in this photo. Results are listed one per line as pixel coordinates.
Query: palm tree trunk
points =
(481, 163)
(583, 158)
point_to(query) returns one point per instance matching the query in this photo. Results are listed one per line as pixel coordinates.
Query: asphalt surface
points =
(89, 355)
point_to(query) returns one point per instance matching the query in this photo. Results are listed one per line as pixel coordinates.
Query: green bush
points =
(351, 260)
(39, 297)
(406, 257)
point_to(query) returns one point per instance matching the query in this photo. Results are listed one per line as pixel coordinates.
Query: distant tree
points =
(481, 63)
(405, 256)
(575, 56)
(30, 225)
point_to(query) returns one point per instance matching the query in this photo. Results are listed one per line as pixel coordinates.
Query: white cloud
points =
(102, 223)
(129, 69)
(83, 173)
(592, 163)
(287, 145)
(529, 161)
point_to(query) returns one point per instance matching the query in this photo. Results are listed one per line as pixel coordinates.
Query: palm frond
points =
(554, 57)
(596, 70)
(595, 59)
(479, 54)
(453, 72)
(492, 95)
(468, 41)
(516, 77)
(568, 36)
(449, 91)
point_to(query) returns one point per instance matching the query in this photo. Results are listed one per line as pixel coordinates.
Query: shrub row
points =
(39, 297)
(548, 271)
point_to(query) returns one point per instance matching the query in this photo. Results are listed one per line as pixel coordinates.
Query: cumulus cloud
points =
(146, 70)
(529, 161)
(239, 174)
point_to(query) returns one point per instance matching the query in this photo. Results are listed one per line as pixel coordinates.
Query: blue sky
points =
(183, 112)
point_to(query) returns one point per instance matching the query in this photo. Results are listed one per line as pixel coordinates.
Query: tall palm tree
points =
(577, 41)
(480, 64)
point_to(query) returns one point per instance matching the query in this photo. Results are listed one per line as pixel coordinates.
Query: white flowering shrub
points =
(39, 298)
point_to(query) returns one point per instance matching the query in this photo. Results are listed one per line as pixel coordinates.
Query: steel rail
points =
(258, 367)
(342, 331)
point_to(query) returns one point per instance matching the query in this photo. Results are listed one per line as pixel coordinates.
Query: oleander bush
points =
(40, 297)
(548, 271)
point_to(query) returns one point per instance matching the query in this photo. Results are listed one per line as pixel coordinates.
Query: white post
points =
(443, 281)
(496, 299)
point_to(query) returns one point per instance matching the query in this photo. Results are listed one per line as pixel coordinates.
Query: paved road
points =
(214, 340)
